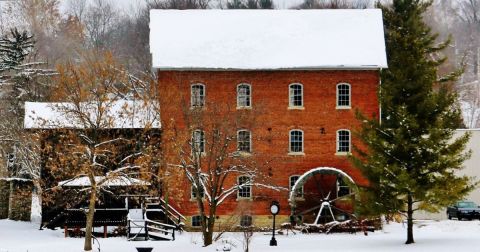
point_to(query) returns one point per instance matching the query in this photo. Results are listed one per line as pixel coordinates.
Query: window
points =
(295, 95)
(198, 141)
(343, 141)
(342, 187)
(246, 221)
(197, 95)
(244, 99)
(296, 141)
(293, 180)
(196, 221)
(245, 190)
(244, 141)
(194, 193)
(343, 95)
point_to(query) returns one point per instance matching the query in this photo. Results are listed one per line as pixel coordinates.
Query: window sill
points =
(343, 107)
(296, 108)
(244, 107)
(194, 199)
(243, 154)
(296, 153)
(244, 199)
(343, 153)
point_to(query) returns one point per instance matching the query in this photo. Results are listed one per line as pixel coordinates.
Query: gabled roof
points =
(267, 39)
(119, 114)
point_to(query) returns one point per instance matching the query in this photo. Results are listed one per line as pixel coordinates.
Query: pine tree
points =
(411, 158)
(14, 49)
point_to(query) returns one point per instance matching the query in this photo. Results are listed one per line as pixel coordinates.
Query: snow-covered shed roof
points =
(119, 114)
(267, 39)
(115, 181)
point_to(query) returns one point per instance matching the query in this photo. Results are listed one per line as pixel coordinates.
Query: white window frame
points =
(290, 98)
(249, 96)
(349, 106)
(290, 152)
(194, 140)
(338, 152)
(238, 190)
(192, 95)
(290, 186)
(250, 141)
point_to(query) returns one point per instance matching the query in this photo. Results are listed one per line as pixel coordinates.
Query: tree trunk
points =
(208, 239)
(88, 229)
(410, 219)
(36, 208)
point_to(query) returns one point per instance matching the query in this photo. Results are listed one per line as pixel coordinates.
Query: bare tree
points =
(203, 146)
(334, 4)
(98, 95)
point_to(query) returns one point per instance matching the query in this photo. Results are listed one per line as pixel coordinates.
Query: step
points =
(159, 236)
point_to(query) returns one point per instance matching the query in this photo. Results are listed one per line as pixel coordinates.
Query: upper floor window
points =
(245, 187)
(296, 141)
(244, 98)
(194, 192)
(244, 141)
(197, 95)
(198, 141)
(343, 141)
(295, 95)
(299, 191)
(343, 96)
(246, 221)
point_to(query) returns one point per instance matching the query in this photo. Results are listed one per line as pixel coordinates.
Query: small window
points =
(198, 141)
(343, 95)
(343, 141)
(296, 141)
(342, 187)
(196, 221)
(246, 221)
(244, 99)
(293, 180)
(197, 95)
(244, 141)
(245, 187)
(295, 95)
(194, 193)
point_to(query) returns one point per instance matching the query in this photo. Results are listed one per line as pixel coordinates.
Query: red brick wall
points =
(270, 91)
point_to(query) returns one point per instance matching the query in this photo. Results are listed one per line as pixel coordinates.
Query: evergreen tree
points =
(14, 49)
(411, 158)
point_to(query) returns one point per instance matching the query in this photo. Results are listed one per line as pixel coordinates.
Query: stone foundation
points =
(4, 198)
(232, 222)
(20, 200)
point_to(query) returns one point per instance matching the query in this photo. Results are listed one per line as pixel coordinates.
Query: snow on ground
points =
(429, 235)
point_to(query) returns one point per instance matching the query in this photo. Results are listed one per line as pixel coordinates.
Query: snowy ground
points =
(429, 235)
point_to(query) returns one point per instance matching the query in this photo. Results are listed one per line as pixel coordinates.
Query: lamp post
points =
(274, 209)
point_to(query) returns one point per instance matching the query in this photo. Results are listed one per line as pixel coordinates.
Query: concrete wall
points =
(472, 168)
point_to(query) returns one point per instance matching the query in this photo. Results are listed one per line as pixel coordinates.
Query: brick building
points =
(304, 73)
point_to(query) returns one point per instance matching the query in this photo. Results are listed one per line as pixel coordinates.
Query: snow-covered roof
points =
(119, 114)
(116, 181)
(267, 39)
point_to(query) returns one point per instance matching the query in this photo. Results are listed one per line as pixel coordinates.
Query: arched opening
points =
(327, 195)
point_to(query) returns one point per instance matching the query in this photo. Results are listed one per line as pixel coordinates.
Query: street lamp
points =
(274, 209)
